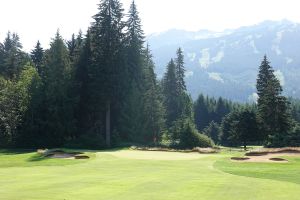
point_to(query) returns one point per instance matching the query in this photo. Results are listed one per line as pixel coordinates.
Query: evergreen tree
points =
(213, 131)
(171, 95)
(74, 46)
(134, 43)
(71, 44)
(132, 115)
(240, 127)
(201, 113)
(14, 58)
(207, 109)
(273, 109)
(108, 67)
(2, 57)
(153, 107)
(180, 71)
(221, 110)
(29, 131)
(81, 86)
(37, 56)
(59, 122)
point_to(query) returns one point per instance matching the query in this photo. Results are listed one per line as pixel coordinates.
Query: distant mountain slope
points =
(226, 64)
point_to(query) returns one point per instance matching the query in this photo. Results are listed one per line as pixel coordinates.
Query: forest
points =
(99, 90)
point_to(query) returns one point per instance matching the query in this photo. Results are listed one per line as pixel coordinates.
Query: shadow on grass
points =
(37, 158)
(15, 151)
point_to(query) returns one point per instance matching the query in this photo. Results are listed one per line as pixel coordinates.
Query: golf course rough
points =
(137, 175)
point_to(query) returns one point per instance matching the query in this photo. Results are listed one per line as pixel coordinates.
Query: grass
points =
(132, 175)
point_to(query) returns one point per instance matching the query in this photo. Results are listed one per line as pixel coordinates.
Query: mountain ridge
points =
(226, 63)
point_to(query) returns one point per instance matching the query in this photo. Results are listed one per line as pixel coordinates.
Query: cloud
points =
(191, 56)
(218, 57)
(205, 58)
(189, 74)
(253, 98)
(276, 43)
(288, 60)
(252, 44)
(216, 77)
(279, 75)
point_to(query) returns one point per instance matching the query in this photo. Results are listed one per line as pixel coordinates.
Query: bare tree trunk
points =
(107, 120)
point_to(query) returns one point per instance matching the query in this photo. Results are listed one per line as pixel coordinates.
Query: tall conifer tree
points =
(170, 91)
(180, 71)
(153, 106)
(273, 109)
(59, 121)
(37, 57)
(131, 122)
(108, 67)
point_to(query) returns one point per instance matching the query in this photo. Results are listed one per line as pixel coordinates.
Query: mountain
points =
(226, 63)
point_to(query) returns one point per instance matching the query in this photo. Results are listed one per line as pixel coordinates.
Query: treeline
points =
(273, 121)
(95, 90)
(99, 90)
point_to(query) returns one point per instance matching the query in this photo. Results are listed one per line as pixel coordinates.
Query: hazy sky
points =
(39, 19)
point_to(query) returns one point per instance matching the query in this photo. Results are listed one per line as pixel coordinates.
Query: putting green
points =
(155, 155)
(132, 175)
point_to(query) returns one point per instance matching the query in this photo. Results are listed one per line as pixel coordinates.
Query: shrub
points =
(87, 141)
(213, 131)
(294, 137)
(189, 137)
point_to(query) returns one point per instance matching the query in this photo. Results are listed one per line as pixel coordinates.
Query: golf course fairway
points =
(138, 175)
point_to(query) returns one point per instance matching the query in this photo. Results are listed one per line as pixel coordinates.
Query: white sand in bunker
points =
(268, 157)
(61, 154)
(155, 155)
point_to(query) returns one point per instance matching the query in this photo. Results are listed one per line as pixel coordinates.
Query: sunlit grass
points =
(129, 175)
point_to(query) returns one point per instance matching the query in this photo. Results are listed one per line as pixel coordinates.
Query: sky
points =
(39, 19)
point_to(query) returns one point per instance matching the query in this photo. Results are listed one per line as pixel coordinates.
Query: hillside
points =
(226, 63)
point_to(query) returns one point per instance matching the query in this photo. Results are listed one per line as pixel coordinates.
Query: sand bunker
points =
(62, 154)
(155, 155)
(269, 155)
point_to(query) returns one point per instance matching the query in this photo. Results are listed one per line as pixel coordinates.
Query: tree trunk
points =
(245, 146)
(107, 120)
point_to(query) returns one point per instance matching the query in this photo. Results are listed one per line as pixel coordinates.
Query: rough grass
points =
(131, 175)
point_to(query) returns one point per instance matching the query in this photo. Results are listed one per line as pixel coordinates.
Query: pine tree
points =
(170, 91)
(273, 109)
(201, 113)
(221, 110)
(37, 56)
(74, 46)
(153, 106)
(131, 122)
(108, 68)
(180, 71)
(59, 116)
(14, 58)
(2, 57)
(213, 131)
(81, 85)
